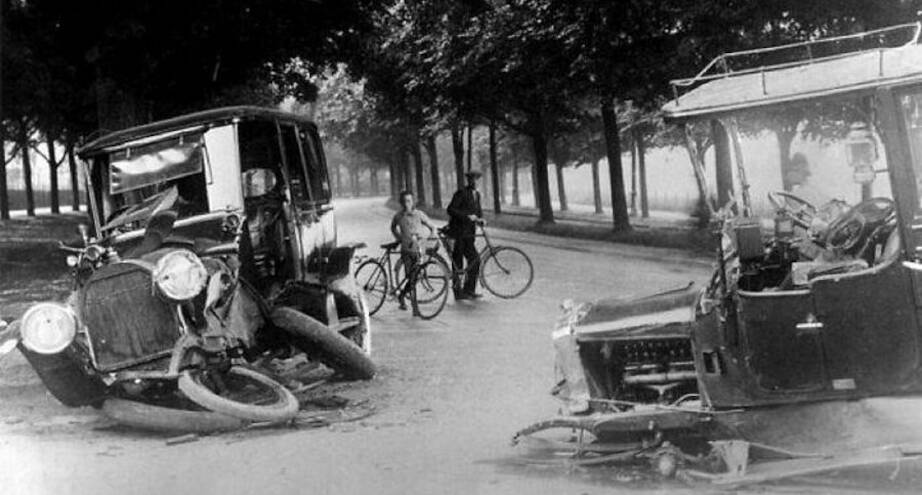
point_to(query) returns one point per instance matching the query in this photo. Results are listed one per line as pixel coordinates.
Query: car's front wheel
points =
(241, 393)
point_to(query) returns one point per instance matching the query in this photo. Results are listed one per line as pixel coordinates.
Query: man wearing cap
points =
(464, 214)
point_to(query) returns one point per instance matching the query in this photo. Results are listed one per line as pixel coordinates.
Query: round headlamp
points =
(48, 328)
(180, 275)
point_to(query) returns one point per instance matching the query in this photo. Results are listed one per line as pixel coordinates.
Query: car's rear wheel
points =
(327, 346)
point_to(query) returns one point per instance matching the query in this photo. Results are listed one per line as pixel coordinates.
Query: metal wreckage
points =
(211, 255)
(802, 353)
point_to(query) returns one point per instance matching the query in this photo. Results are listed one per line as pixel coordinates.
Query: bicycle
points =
(505, 271)
(428, 292)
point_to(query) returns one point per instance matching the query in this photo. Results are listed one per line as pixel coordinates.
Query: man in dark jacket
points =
(464, 214)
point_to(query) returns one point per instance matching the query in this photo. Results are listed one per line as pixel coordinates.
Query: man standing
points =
(465, 213)
(407, 227)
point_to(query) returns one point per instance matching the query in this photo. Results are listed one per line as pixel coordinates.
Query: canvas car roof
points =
(191, 121)
(860, 72)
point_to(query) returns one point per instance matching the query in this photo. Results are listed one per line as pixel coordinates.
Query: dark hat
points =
(473, 173)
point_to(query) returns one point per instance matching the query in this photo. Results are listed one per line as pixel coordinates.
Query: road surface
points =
(448, 396)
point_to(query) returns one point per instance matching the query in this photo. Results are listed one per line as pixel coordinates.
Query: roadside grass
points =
(695, 240)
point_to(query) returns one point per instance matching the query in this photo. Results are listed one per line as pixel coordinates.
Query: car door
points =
(297, 184)
(310, 197)
(870, 318)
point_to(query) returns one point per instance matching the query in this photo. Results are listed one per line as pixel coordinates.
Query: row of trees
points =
(556, 73)
(546, 78)
(71, 70)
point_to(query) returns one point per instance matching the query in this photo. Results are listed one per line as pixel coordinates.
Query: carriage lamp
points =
(180, 275)
(48, 328)
(861, 150)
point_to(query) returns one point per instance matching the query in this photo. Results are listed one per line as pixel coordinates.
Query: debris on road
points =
(188, 438)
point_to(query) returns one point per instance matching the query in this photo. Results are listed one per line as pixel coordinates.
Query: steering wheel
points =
(800, 210)
(848, 230)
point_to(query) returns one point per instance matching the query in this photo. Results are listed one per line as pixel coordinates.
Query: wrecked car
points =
(211, 251)
(805, 343)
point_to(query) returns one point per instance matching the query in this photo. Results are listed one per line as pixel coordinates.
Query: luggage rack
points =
(803, 52)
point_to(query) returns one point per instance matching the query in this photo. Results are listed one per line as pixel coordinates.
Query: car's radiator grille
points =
(126, 321)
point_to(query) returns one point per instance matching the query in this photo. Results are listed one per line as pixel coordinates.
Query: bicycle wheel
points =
(431, 290)
(506, 272)
(372, 278)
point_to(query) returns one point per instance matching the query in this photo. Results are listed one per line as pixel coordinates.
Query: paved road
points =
(448, 396)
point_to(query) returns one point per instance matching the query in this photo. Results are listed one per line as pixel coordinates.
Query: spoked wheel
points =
(431, 290)
(506, 272)
(372, 278)
(240, 393)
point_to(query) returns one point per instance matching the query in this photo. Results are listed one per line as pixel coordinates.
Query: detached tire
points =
(327, 346)
(164, 419)
(284, 406)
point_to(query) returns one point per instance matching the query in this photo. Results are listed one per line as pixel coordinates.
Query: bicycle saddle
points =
(390, 245)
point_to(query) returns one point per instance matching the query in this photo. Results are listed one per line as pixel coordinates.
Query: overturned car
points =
(805, 343)
(211, 253)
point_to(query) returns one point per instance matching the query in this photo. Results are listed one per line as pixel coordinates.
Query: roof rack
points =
(721, 66)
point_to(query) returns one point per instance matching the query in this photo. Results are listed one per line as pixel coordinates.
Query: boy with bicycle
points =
(407, 227)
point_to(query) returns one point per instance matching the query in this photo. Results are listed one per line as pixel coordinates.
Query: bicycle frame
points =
(447, 243)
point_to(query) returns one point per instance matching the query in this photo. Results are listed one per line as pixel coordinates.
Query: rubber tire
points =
(329, 347)
(373, 307)
(164, 419)
(440, 300)
(65, 379)
(483, 265)
(284, 410)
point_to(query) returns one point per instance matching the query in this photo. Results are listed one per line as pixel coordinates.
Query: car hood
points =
(664, 314)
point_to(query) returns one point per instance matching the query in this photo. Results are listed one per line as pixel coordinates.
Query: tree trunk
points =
(785, 138)
(615, 172)
(392, 178)
(4, 192)
(354, 181)
(561, 188)
(53, 174)
(542, 186)
(502, 183)
(407, 171)
(494, 170)
(723, 163)
(420, 183)
(433, 153)
(642, 173)
(338, 175)
(596, 187)
(373, 177)
(516, 195)
(457, 146)
(470, 147)
(534, 182)
(26, 168)
(74, 178)
(633, 201)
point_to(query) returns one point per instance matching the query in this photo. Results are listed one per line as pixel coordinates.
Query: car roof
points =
(203, 119)
(859, 73)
